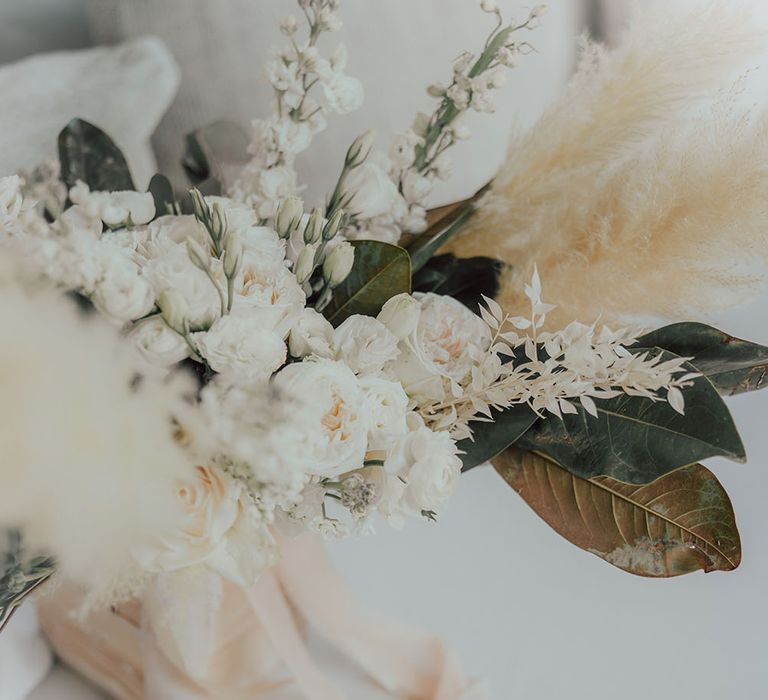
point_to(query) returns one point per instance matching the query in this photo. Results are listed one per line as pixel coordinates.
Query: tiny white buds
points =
(314, 228)
(463, 63)
(333, 225)
(199, 207)
(200, 257)
(289, 25)
(420, 124)
(218, 223)
(507, 57)
(288, 216)
(174, 309)
(233, 255)
(338, 264)
(305, 264)
(489, 6)
(360, 148)
(436, 90)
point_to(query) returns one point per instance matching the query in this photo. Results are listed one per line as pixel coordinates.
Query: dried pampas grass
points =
(628, 204)
(88, 465)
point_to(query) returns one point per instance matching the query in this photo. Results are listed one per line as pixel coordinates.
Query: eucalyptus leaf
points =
(492, 438)
(217, 151)
(732, 365)
(162, 193)
(19, 575)
(677, 524)
(380, 271)
(87, 153)
(465, 279)
(635, 439)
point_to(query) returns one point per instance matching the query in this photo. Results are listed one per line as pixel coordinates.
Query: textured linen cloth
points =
(123, 89)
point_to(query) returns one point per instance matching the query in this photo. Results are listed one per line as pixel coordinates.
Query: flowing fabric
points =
(237, 644)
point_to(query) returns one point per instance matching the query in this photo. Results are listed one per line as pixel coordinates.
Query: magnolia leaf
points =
(87, 153)
(216, 152)
(635, 439)
(162, 193)
(732, 365)
(492, 438)
(380, 271)
(19, 577)
(677, 524)
(464, 279)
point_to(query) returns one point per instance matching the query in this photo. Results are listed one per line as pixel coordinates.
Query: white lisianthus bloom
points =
(311, 334)
(11, 198)
(174, 270)
(372, 191)
(338, 431)
(364, 344)
(428, 463)
(166, 233)
(121, 292)
(239, 216)
(114, 208)
(217, 526)
(400, 314)
(439, 347)
(262, 248)
(387, 405)
(158, 344)
(239, 343)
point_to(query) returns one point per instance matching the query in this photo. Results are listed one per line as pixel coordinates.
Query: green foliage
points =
(465, 279)
(732, 365)
(216, 152)
(88, 154)
(162, 193)
(380, 272)
(428, 243)
(635, 439)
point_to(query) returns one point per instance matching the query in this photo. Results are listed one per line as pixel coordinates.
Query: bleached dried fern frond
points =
(626, 206)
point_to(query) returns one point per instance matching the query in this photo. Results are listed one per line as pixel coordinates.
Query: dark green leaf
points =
(162, 192)
(465, 279)
(88, 154)
(380, 272)
(428, 243)
(490, 439)
(679, 523)
(217, 151)
(731, 364)
(19, 575)
(636, 440)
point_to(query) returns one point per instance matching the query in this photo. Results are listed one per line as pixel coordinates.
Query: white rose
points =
(158, 344)
(311, 334)
(364, 344)
(115, 208)
(387, 406)
(121, 292)
(439, 347)
(400, 314)
(270, 292)
(238, 343)
(174, 270)
(10, 197)
(427, 461)
(217, 526)
(262, 248)
(337, 434)
(372, 191)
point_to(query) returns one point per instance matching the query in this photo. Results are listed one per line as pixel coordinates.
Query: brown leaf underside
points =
(679, 523)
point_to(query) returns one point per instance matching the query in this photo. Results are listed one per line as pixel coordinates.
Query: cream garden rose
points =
(311, 334)
(387, 406)
(158, 344)
(338, 433)
(216, 526)
(364, 344)
(439, 347)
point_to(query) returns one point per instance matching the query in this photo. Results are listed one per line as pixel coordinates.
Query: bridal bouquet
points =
(243, 367)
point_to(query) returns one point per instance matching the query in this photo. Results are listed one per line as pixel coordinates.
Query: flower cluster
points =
(307, 87)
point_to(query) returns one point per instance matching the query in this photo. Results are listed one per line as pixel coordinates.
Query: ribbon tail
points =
(402, 660)
(270, 605)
